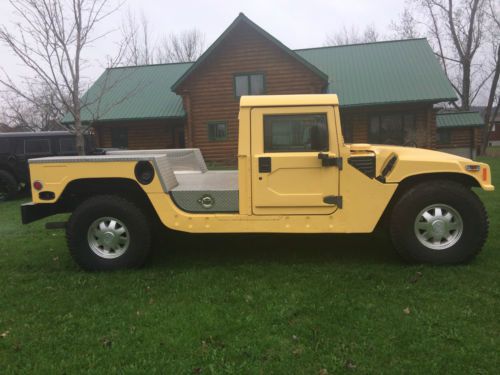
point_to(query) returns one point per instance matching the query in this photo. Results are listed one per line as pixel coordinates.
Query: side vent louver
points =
(364, 164)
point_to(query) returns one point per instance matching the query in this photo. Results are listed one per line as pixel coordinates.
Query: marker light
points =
(472, 168)
(37, 185)
(485, 174)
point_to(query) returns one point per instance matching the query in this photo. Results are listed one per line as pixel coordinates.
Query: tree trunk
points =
(466, 85)
(80, 137)
(488, 119)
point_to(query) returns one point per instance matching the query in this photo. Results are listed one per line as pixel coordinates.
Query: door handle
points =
(265, 164)
(330, 161)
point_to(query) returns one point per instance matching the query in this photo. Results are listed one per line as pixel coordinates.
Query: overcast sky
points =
(297, 23)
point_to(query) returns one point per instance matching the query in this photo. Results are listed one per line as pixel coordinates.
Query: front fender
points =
(414, 161)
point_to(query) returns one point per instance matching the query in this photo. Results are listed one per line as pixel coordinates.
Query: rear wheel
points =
(8, 186)
(439, 222)
(108, 233)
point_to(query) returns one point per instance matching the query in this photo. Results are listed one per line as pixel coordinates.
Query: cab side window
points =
(295, 133)
(67, 145)
(4, 146)
(37, 146)
(20, 147)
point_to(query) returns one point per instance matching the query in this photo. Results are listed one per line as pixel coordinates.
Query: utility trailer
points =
(295, 175)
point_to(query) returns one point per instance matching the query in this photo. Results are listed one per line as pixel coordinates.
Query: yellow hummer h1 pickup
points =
(295, 175)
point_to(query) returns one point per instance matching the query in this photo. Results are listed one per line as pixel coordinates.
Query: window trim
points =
(295, 114)
(402, 114)
(26, 141)
(248, 74)
(215, 122)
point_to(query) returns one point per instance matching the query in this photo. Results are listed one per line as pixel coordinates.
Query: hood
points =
(413, 161)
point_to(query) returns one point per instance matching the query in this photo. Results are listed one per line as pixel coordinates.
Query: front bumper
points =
(31, 212)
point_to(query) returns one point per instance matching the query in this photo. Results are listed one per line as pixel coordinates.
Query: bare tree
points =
(186, 46)
(49, 40)
(139, 48)
(406, 27)
(491, 112)
(136, 35)
(39, 109)
(352, 36)
(456, 31)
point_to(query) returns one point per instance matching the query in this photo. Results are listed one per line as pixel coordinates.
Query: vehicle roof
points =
(288, 100)
(33, 134)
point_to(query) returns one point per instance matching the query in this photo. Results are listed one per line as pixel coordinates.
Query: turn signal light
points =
(37, 185)
(485, 174)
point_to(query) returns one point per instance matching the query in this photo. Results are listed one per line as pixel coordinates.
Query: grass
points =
(247, 305)
(493, 151)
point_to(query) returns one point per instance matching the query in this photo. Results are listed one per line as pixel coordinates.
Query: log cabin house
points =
(387, 91)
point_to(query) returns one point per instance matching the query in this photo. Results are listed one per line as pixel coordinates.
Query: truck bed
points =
(193, 180)
(183, 175)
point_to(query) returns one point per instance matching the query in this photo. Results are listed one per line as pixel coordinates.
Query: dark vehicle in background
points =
(17, 148)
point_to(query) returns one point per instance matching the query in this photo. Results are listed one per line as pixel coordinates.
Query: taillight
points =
(37, 185)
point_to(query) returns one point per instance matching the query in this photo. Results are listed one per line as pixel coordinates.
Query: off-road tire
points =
(8, 186)
(128, 213)
(457, 196)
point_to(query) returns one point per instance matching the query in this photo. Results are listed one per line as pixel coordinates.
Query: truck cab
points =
(295, 175)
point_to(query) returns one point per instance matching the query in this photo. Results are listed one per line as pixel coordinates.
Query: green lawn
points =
(247, 305)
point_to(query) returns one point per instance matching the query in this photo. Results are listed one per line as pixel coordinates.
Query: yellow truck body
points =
(340, 188)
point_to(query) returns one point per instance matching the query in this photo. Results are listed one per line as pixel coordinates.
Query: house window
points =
(37, 146)
(392, 129)
(444, 136)
(295, 133)
(119, 137)
(67, 145)
(249, 84)
(217, 130)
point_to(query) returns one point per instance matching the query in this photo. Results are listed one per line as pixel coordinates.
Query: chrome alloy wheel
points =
(108, 237)
(438, 226)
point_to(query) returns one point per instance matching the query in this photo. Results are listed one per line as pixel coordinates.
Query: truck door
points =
(295, 164)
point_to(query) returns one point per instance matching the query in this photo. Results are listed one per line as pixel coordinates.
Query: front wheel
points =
(439, 222)
(108, 233)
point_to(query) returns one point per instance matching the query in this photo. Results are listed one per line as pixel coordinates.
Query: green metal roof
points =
(382, 72)
(131, 93)
(361, 74)
(458, 119)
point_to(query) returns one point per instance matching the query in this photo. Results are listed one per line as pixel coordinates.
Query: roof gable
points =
(382, 72)
(242, 18)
